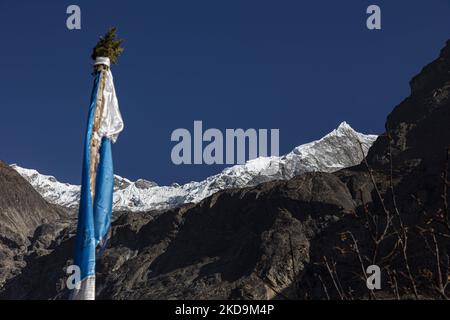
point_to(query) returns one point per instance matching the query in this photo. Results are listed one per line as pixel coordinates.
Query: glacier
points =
(339, 149)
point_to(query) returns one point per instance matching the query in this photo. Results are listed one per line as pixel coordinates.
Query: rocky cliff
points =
(23, 215)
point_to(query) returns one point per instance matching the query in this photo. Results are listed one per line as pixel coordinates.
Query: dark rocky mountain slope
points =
(23, 216)
(307, 238)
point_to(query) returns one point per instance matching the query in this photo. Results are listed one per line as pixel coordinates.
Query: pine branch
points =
(108, 46)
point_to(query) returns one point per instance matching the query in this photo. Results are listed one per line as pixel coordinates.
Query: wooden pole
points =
(96, 139)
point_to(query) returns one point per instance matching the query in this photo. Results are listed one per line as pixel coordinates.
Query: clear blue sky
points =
(300, 66)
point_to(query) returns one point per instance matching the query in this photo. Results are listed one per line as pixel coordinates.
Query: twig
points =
(324, 287)
(330, 271)
(394, 284)
(440, 283)
(363, 269)
(403, 234)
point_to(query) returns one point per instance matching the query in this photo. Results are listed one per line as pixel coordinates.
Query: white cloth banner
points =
(111, 123)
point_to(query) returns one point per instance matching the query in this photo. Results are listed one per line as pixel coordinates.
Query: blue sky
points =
(300, 66)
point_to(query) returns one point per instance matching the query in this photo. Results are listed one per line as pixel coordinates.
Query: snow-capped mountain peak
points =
(52, 190)
(338, 149)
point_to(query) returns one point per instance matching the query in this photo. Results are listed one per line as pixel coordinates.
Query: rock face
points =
(223, 246)
(419, 127)
(307, 237)
(220, 248)
(22, 209)
(22, 213)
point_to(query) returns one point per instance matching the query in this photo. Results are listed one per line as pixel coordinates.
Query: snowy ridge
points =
(338, 149)
(52, 190)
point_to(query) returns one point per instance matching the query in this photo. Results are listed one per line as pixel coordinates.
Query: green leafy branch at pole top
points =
(108, 46)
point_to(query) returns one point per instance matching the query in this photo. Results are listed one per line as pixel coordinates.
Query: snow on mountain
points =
(52, 190)
(338, 149)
